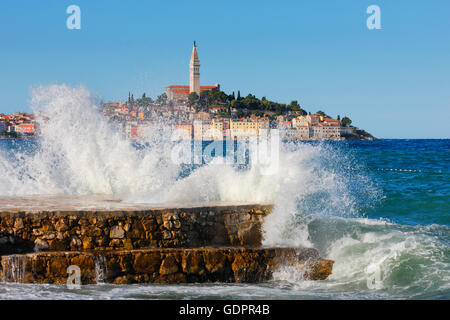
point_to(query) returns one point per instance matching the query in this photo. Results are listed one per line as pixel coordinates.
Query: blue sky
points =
(393, 82)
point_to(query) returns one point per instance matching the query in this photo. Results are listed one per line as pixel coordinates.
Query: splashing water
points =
(318, 201)
(80, 153)
(100, 269)
(14, 268)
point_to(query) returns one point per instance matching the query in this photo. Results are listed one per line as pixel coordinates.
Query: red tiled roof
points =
(207, 87)
(187, 87)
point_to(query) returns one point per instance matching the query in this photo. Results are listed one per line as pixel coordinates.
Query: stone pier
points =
(40, 237)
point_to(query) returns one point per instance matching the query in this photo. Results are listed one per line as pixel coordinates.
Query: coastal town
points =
(205, 113)
(17, 125)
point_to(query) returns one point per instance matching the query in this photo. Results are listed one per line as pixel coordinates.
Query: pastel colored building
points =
(24, 128)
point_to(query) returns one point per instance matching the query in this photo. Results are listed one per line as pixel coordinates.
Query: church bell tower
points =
(194, 72)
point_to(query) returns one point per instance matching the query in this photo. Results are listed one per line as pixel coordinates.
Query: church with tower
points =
(177, 92)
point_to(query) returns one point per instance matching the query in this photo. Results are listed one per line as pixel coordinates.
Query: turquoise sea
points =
(380, 209)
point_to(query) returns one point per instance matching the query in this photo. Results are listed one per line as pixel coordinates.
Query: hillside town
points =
(206, 113)
(216, 124)
(17, 125)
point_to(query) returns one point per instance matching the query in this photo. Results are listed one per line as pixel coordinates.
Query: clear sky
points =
(393, 82)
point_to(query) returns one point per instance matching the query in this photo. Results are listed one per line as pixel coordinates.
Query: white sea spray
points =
(317, 200)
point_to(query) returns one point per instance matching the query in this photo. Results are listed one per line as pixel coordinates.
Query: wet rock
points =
(215, 261)
(61, 226)
(167, 235)
(149, 225)
(189, 227)
(316, 269)
(177, 224)
(88, 243)
(117, 233)
(168, 225)
(93, 232)
(57, 245)
(40, 245)
(247, 265)
(76, 242)
(49, 236)
(121, 280)
(60, 236)
(147, 263)
(114, 243)
(192, 263)
(168, 265)
(127, 244)
(18, 223)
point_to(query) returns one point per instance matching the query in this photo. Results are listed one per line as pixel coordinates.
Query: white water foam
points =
(317, 201)
(80, 153)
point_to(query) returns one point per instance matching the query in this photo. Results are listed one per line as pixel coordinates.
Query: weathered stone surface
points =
(166, 265)
(88, 243)
(18, 224)
(146, 245)
(40, 244)
(316, 269)
(192, 262)
(214, 260)
(147, 263)
(132, 229)
(75, 242)
(117, 233)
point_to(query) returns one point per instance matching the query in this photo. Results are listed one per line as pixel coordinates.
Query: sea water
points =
(379, 209)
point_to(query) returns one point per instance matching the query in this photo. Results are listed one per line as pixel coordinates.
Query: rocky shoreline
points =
(174, 244)
(360, 135)
(198, 265)
(29, 231)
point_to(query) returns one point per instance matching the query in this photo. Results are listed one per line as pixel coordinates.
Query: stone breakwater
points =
(131, 229)
(231, 265)
(114, 242)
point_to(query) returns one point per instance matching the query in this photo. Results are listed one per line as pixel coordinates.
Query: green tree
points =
(321, 113)
(162, 99)
(218, 97)
(346, 122)
(237, 104)
(294, 106)
(205, 98)
(193, 98)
